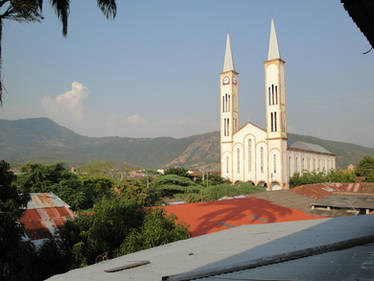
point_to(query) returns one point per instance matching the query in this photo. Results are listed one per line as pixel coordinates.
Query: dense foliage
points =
(14, 251)
(171, 184)
(365, 168)
(115, 227)
(79, 192)
(314, 177)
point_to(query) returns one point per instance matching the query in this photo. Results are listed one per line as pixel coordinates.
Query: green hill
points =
(41, 139)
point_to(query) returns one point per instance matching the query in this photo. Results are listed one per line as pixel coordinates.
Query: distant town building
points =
(263, 156)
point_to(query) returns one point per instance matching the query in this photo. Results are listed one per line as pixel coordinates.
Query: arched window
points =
(227, 164)
(228, 126)
(275, 163)
(223, 103)
(271, 117)
(272, 93)
(249, 155)
(276, 94)
(262, 159)
(275, 122)
(238, 160)
(228, 103)
(225, 127)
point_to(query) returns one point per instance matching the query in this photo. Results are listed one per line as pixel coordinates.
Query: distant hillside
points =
(41, 139)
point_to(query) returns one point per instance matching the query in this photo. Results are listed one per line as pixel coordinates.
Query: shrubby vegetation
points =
(365, 168)
(78, 191)
(314, 177)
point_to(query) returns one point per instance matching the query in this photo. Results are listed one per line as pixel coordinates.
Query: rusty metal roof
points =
(45, 200)
(45, 211)
(320, 190)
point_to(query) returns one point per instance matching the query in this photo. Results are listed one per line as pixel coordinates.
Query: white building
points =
(250, 153)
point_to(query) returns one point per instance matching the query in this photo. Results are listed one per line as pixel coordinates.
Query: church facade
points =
(263, 156)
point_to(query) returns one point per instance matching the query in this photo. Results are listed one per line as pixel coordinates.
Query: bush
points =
(193, 198)
(314, 177)
(168, 185)
(218, 191)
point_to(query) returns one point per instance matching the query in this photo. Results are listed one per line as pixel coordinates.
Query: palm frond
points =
(108, 7)
(62, 9)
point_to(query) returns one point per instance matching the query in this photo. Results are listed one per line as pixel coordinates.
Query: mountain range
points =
(43, 140)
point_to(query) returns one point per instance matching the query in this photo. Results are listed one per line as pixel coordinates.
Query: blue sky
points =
(153, 71)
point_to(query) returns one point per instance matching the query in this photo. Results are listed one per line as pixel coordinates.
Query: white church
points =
(263, 156)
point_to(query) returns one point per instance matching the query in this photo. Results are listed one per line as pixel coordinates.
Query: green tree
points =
(170, 184)
(15, 252)
(365, 168)
(78, 192)
(137, 190)
(157, 229)
(31, 10)
(115, 226)
(180, 171)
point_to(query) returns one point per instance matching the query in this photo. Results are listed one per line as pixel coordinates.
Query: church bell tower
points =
(229, 111)
(276, 117)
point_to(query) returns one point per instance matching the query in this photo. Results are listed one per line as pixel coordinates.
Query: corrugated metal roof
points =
(45, 211)
(320, 190)
(307, 146)
(45, 200)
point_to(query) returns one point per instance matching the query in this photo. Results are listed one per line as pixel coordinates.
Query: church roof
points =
(228, 64)
(308, 146)
(273, 52)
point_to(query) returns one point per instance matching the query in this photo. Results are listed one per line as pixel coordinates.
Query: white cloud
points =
(136, 120)
(68, 106)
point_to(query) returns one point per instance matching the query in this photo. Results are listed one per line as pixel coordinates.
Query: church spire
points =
(273, 44)
(228, 64)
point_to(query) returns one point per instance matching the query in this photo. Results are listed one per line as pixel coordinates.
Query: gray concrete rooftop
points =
(227, 247)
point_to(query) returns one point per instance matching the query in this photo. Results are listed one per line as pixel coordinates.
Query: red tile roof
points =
(213, 216)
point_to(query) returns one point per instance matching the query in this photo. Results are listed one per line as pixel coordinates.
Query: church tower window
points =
(228, 102)
(262, 159)
(275, 163)
(276, 94)
(227, 164)
(272, 93)
(269, 96)
(271, 117)
(302, 164)
(228, 126)
(223, 103)
(238, 159)
(249, 155)
(224, 127)
(275, 122)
